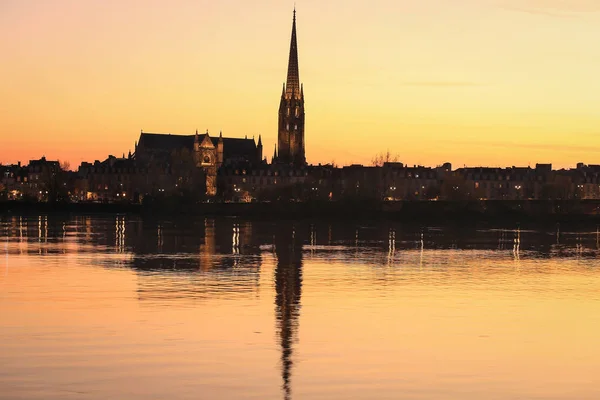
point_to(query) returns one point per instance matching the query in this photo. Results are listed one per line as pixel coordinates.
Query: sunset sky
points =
(475, 82)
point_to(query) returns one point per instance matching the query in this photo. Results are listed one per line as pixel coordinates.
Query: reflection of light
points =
(517, 244)
(421, 253)
(160, 238)
(42, 228)
(120, 233)
(235, 246)
(392, 245)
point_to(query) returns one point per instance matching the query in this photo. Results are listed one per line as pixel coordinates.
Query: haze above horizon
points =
(476, 82)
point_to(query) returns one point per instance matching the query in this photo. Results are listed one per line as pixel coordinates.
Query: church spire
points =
(293, 76)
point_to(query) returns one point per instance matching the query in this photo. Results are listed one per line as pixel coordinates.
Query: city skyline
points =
(477, 83)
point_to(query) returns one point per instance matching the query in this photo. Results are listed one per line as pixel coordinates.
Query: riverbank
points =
(562, 211)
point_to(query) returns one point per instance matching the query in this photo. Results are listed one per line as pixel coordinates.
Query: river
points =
(119, 307)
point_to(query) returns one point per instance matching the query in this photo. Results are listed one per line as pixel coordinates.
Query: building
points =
(290, 138)
(45, 179)
(14, 182)
(174, 153)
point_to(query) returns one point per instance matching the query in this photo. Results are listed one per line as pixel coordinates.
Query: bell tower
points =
(290, 143)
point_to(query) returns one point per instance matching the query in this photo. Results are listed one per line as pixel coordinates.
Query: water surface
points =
(117, 307)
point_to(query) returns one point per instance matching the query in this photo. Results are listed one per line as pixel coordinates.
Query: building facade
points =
(180, 154)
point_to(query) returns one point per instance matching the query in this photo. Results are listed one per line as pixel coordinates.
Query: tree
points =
(65, 165)
(383, 158)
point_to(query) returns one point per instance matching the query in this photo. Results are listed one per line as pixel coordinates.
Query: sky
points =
(472, 82)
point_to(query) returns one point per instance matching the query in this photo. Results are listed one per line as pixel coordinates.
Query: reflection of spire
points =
(288, 284)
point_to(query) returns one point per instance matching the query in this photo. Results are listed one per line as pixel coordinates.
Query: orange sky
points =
(492, 82)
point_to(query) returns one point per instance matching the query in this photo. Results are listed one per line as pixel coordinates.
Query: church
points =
(210, 153)
(205, 152)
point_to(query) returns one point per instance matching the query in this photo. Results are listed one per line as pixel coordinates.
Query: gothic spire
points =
(293, 76)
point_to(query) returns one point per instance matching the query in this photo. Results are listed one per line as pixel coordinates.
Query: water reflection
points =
(288, 288)
(154, 244)
(204, 263)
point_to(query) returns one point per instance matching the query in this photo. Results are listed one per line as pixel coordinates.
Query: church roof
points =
(164, 141)
(233, 147)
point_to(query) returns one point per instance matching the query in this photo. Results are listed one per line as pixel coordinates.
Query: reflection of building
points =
(288, 286)
(192, 260)
(209, 248)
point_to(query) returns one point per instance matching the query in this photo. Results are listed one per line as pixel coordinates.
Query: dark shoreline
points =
(569, 212)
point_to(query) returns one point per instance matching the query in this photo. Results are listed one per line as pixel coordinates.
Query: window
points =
(297, 111)
(207, 159)
(288, 111)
